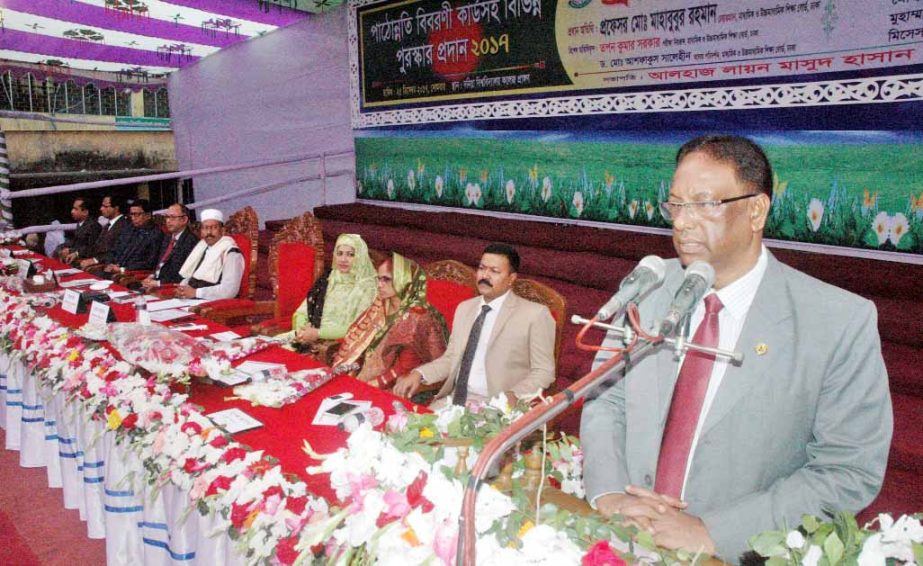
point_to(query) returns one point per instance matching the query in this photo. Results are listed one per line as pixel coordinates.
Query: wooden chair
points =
(545, 295)
(296, 260)
(244, 227)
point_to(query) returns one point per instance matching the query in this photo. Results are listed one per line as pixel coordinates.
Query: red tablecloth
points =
(285, 429)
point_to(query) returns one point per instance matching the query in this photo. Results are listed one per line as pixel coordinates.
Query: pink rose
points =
(601, 554)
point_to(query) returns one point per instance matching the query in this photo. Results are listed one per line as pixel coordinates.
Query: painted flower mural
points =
(439, 186)
(578, 203)
(815, 213)
(882, 227)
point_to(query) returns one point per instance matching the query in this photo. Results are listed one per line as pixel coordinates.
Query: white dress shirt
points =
(736, 298)
(477, 379)
(231, 273)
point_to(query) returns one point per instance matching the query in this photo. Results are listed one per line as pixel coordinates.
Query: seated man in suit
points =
(500, 342)
(176, 246)
(704, 453)
(215, 266)
(80, 244)
(104, 248)
(138, 244)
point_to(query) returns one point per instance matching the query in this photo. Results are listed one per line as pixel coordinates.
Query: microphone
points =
(700, 276)
(647, 275)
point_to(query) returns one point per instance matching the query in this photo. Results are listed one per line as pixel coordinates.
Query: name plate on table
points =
(101, 314)
(234, 420)
(71, 301)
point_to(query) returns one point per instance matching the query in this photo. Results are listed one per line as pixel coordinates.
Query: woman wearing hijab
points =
(335, 301)
(400, 331)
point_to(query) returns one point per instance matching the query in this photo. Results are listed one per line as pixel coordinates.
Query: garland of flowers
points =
(262, 510)
(841, 541)
(404, 498)
(400, 492)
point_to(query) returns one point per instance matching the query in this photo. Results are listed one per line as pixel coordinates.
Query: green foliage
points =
(847, 185)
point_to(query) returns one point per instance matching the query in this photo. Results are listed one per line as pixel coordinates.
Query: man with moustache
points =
(176, 246)
(500, 342)
(80, 244)
(703, 453)
(215, 266)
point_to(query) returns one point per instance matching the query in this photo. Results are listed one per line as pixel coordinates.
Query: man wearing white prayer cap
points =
(215, 266)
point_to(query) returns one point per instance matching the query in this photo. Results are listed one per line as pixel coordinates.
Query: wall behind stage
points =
(283, 94)
(831, 89)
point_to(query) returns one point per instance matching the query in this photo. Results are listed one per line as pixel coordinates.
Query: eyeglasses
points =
(174, 216)
(136, 213)
(702, 209)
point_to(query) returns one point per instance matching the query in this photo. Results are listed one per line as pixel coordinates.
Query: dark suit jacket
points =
(104, 249)
(137, 248)
(84, 238)
(169, 271)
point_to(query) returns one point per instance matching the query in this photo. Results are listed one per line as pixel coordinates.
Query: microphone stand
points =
(533, 420)
(544, 412)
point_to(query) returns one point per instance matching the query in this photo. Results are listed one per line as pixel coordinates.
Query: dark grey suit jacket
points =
(804, 427)
(84, 238)
(169, 271)
(104, 249)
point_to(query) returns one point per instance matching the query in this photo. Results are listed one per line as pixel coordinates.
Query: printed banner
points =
(427, 51)
(856, 189)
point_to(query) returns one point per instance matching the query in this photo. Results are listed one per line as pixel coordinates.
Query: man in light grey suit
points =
(803, 425)
(500, 342)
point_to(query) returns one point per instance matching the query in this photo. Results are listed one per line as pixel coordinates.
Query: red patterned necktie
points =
(688, 397)
(168, 251)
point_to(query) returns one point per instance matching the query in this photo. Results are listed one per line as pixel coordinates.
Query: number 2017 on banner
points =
(490, 45)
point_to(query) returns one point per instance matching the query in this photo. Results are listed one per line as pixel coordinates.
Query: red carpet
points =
(35, 528)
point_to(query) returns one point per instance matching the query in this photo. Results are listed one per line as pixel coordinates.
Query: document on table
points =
(233, 378)
(225, 336)
(169, 314)
(261, 370)
(77, 283)
(66, 272)
(234, 420)
(154, 306)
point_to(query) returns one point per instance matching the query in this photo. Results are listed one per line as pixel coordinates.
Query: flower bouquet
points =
(155, 348)
(841, 541)
(277, 392)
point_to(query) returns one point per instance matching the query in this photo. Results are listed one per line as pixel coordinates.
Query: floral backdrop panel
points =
(856, 189)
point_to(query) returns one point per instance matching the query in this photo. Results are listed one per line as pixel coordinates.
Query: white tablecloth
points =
(101, 479)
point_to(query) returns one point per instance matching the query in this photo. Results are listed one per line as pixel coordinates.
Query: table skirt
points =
(102, 479)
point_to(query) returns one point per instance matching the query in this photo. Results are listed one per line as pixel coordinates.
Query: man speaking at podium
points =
(704, 453)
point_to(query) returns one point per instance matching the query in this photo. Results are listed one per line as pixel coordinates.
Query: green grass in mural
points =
(867, 196)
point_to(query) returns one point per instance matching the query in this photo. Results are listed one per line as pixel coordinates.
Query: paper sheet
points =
(169, 314)
(77, 283)
(234, 420)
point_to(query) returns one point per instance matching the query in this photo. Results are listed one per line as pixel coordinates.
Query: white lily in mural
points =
(510, 191)
(578, 203)
(899, 227)
(815, 214)
(359, 187)
(649, 209)
(882, 226)
(390, 188)
(473, 193)
(546, 189)
(633, 208)
(439, 184)
(411, 180)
